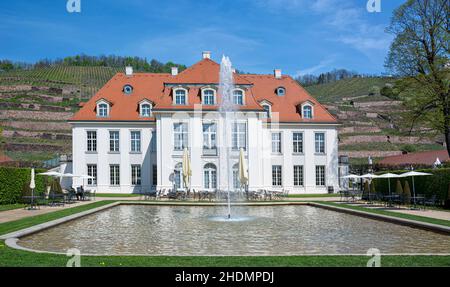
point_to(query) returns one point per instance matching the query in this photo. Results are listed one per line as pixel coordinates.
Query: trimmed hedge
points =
(13, 180)
(437, 184)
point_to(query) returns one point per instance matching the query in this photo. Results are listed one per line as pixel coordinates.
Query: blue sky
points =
(298, 36)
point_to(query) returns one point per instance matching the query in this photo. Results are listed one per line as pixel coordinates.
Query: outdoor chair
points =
(56, 199)
(432, 201)
(71, 195)
(172, 194)
(149, 194)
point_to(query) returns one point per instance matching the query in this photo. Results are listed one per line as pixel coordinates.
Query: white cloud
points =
(325, 63)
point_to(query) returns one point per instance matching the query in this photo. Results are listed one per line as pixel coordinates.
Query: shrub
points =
(399, 188)
(12, 182)
(447, 201)
(406, 193)
(55, 187)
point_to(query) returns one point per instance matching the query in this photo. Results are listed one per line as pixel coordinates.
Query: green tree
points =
(420, 54)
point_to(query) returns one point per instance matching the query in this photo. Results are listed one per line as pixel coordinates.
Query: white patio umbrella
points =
(187, 172)
(51, 173)
(243, 172)
(412, 174)
(389, 176)
(83, 177)
(32, 187)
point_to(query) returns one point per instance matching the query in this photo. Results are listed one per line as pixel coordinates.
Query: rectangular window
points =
(153, 142)
(92, 141)
(92, 171)
(298, 175)
(135, 141)
(297, 142)
(180, 133)
(209, 136)
(155, 175)
(276, 175)
(135, 174)
(114, 174)
(276, 143)
(320, 142)
(239, 136)
(320, 175)
(114, 141)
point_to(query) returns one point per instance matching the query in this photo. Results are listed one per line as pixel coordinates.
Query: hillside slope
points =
(354, 87)
(372, 124)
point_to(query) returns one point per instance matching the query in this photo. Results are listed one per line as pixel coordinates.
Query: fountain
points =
(227, 110)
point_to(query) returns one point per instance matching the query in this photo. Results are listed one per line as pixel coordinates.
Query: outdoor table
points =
(33, 205)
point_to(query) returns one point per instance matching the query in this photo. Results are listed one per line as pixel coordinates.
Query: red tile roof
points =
(425, 158)
(158, 89)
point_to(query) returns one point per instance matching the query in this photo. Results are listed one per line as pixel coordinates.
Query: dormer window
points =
(102, 109)
(180, 96)
(127, 89)
(146, 110)
(281, 91)
(268, 111)
(267, 106)
(238, 97)
(307, 112)
(208, 97)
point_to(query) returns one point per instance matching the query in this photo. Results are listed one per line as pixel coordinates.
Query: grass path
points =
(6, 207)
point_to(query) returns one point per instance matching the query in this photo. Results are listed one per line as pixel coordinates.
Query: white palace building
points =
(131, 135)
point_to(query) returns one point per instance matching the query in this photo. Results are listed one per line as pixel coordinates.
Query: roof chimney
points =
(174, 71)
(277, 73)
(206, 55)
(129, 71)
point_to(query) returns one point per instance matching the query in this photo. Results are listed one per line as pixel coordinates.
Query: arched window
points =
(146, 110)
(281, 91)
(236, 184)
(210, 176)
(209, 97)
(128, 89)
(238, 97)
(177, 179)
(307, 112)
(102, 110)
(180, 97)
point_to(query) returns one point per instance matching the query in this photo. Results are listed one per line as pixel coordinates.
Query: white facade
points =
(261, 160)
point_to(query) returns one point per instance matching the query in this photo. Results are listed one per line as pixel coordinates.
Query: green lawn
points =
(313, 195)
(12, 258)
(117, 195)
(390, 213)
(5, 207)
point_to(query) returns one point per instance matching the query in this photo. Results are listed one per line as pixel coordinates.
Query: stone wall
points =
(35, 115)
(365, 154)
(391, 139)
(37, 126)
